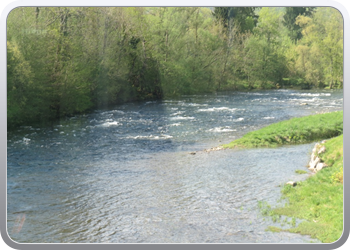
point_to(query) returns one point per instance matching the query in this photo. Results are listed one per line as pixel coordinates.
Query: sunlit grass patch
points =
(319, 199)
(294, 131)
(333, 156)
(274, 229)
(300, 171)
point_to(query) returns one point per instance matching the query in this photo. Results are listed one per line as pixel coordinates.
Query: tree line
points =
(67, 60)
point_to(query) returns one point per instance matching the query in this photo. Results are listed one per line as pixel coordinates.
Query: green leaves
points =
(320, 51)
(244, 17)
(106, 55)
(19, 81)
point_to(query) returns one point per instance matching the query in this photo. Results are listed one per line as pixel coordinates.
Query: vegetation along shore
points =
(294, 131)
(63, 61)
(318, 200)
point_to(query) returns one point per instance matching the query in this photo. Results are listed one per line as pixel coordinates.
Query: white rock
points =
(313, 163)
(320, 166)
(313, 156)
(322, 150)
(292, 183)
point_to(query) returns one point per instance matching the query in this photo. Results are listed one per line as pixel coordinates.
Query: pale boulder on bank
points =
(315, 163)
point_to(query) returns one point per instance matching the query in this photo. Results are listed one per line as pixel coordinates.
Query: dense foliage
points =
(289, 18)
(67, 60)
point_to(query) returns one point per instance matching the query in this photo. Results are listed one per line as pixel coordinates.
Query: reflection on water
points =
(126, 175)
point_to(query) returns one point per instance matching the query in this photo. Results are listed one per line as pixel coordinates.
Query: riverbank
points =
(46, 116)
(318, 200)
(294, 131)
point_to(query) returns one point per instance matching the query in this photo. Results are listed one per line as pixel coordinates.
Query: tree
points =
(264, 53)
(289, 19)
(243, 17)
(19, 78)
(320, 51)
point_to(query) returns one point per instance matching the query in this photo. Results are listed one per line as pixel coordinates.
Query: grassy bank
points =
(294, 131)
(319, 199)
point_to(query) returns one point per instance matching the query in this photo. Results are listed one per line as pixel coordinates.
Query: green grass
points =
(294, 131)
(319, 199)
(334, 157)
(274, 229)
(300, 171)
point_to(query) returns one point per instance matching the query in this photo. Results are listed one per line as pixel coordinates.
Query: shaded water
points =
(126, 175)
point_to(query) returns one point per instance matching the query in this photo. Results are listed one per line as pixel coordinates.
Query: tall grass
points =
(294, 131)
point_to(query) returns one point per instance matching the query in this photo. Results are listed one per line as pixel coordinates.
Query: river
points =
(126, 175)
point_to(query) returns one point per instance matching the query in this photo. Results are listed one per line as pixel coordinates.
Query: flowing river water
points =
(126, 175)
